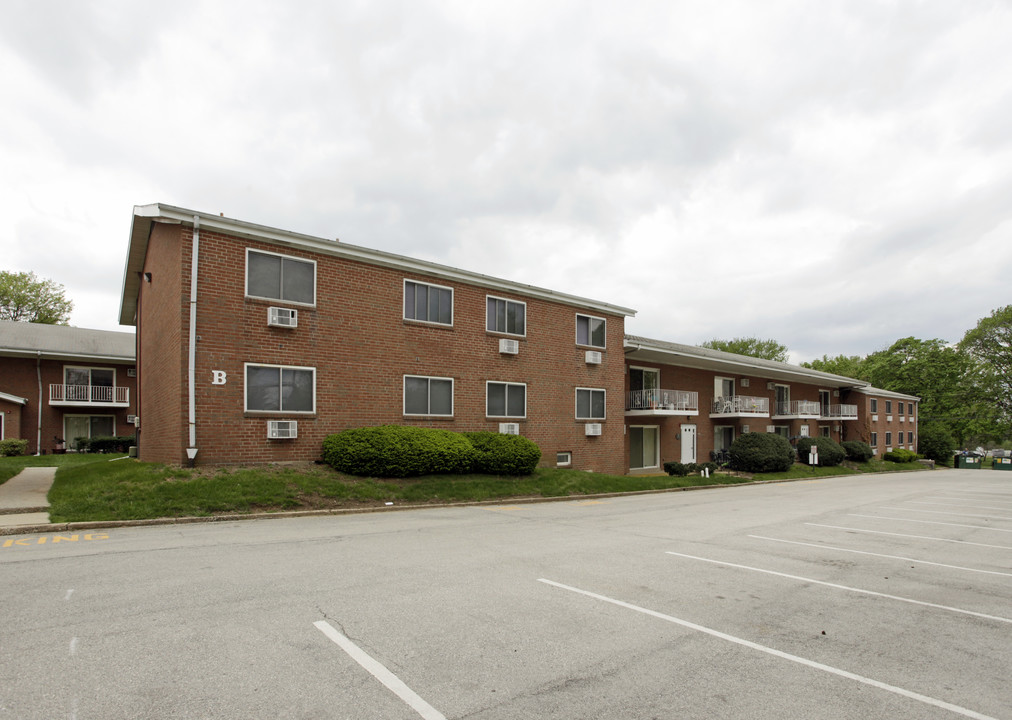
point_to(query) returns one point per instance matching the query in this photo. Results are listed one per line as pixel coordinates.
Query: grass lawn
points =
(102, 487)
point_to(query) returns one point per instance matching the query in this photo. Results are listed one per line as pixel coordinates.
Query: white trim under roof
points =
(144, 216)
(869, 390)
(668, 353)
(13, 399)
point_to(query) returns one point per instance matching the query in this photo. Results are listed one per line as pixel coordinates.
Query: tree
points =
(25, 297)
(990, 345)
(851, 366)
(935, 442)
(753, 347)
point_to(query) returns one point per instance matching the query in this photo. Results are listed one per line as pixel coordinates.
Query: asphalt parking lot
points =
(858, 597)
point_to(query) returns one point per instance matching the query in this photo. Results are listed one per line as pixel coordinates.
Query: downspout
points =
(191, 450)
(38, 409)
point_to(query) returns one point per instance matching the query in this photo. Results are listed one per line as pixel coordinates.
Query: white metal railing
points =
(798, 407)
(658, 399)
(839, 412)
(88, 394)
(738, 404)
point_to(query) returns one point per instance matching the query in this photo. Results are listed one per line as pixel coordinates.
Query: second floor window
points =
(505, 316)
(590, 331)
(428, 303)
(279, 277)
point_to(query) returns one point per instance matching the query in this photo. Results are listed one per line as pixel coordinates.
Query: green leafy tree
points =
(27, 298)
(990, 346)
(935, 442)
(852, 366)
(753, 347)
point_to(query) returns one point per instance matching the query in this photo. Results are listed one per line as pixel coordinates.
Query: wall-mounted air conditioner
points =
(592, 429)
(282, 317)
(131, 372)
(744, 429)
(836, 428)
(509, 347)
(836, 393)
(509, 428)
(770, 385)
(593, 357)
(771, 428)
(282, 429)
(131, 419)
(744, 382)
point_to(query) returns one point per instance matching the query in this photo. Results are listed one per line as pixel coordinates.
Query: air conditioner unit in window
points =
(282, 317)
(509, 428)
(592, 428)
(771, 428)
(593, 357)
(744, 382)
(282, 429)
(509, 347)
(744, 429)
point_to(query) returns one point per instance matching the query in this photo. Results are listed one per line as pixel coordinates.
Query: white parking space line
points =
(892, 557)
(958, 505)
(380, 672)
(776, 653)
(930, 522)
(844, 587)
(939, 512)
(918, 537)
(1003, 502)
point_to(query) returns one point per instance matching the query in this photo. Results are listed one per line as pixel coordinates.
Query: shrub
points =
(111, 444)
(501, 454)
(936, 443)
(398, 451)
(711, 466)
(676, 468)
(830, 452)
(12, 447)
(857, 451)
(899, 455)
(761, 452)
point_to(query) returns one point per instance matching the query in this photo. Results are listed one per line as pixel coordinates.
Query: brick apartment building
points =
(887, 420)
(254, 344)
(59, 383)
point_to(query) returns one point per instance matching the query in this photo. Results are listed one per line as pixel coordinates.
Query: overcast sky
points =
(833, 175)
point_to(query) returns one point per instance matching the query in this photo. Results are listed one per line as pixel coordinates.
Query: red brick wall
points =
(882, 422)
(361, 348)
(21, 379)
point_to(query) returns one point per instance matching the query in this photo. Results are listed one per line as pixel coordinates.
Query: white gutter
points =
(38, 410)
(191, 451)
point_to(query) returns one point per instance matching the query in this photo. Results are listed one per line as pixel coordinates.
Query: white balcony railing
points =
(88, 395)
(839, 412)
(797, 408)
(672, 402)
(742, 405)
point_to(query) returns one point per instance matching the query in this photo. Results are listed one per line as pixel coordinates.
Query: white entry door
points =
(688, 443)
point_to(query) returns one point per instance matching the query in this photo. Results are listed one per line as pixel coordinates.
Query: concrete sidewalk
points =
(23, 498)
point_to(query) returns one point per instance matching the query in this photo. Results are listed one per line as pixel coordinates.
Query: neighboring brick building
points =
(60, 383)
(887, 420)
(294, 335)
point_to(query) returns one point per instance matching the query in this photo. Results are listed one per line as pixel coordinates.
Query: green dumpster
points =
(1002, 464)
(966, 462)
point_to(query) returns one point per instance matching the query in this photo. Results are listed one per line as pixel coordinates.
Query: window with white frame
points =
(505, 316)
(873, 405)
(280, 388)
(590, 404)
(874, 439)
(280, 277)
(910, 409)
(564, 459)
(590, 331)
(428, 303)
(89, 384)
(899, 408)
(889, 438)
(504, 399)
(428, 395)
(889, 406)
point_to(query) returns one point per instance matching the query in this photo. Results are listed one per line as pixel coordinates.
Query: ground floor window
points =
(428, 395)
(723, 436)
(643, 447)
(874, 440)
(783, 431)
(77, 427)
(563, 459)
(824, 430)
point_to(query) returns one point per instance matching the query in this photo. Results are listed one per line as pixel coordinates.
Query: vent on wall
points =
(509, 428)
(282, 429)
(744, 382)
(593, 357)
(509, 347)
(592, 429)
(282, 317)
(131, 372)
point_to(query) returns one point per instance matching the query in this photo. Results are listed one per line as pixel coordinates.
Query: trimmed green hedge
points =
(756, 452)
(857, 451)
(830, 452)
(501, 454)
(899, 455)
(398, 451)
(12, 447)
(111, 444)
(682, 469)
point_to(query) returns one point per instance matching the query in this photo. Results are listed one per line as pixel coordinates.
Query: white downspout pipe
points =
(38, 409)
(191, 450)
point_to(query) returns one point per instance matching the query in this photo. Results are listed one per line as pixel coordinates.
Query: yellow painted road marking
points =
(51, 539)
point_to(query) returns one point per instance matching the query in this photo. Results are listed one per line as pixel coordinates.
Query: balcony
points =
(89, 396)
(838, 412)
(797, 410)
(740, 406)
(661, 402)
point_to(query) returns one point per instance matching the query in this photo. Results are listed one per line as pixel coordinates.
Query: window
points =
(783, 431)
(824, 430)
(910, 409)
(899, 408)
(428, 395)
(590, 331)
(889, 438)
(428, 303)
(874, 405)
(874, 439)
(590, 404)
(505, 399)
(279, 277)
(889, 406)
(277, 388)
(563, 459)
(87, 426)
(86, 384)
(723, 436)
(505, 316)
